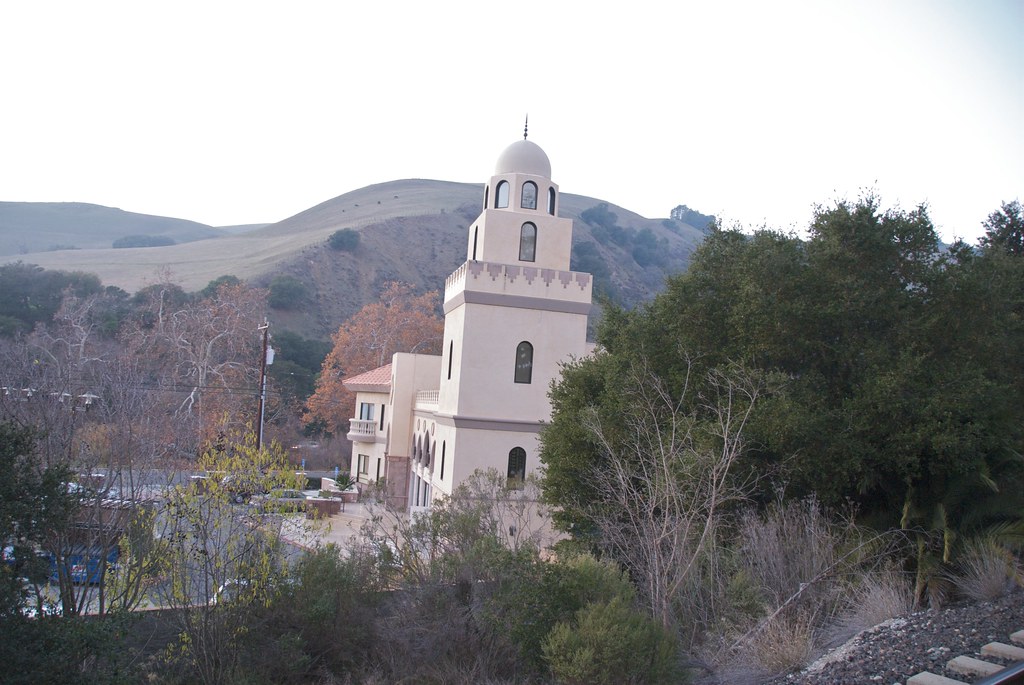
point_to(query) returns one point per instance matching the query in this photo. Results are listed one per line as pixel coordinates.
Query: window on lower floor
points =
(363, 463)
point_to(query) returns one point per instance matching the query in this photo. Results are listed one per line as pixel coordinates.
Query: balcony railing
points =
(362, 427)
(426, 399)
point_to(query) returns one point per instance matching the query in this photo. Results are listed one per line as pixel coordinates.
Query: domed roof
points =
(523, 157)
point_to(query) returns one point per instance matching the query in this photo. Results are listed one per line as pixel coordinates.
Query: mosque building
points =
(513, 312)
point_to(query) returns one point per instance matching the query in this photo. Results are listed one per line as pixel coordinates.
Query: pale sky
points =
(247, 112)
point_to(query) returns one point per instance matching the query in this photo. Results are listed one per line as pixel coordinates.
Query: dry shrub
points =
(986, 570)
(785, 644)
(791, 578)
(794, 547)
(876, 597)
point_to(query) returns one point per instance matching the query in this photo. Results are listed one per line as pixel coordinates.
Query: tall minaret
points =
(513, 313)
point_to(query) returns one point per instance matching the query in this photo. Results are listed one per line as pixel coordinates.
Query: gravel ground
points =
(893, 651)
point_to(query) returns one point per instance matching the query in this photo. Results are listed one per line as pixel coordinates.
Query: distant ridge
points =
(241, 228)
(412, 230)
(27, 227)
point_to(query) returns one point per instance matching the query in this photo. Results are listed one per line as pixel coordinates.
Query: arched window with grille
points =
(528, 242)
(524, 363)
(529, 199)
(516, 467)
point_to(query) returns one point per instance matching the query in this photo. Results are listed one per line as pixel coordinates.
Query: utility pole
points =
(265, 359)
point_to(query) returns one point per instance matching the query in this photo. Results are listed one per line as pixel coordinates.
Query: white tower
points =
(513, 313)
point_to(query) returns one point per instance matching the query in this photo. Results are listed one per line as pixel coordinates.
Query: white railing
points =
(427, 399)
(362, 427)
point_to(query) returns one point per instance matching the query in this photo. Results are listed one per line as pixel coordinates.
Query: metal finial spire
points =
(526, 126)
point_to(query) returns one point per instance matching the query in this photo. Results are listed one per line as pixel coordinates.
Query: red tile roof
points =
(377, 380)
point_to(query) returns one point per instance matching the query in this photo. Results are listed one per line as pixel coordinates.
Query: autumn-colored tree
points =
(399, 321)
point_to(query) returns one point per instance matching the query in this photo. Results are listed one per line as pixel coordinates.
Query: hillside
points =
(410, 230)
(30, 227)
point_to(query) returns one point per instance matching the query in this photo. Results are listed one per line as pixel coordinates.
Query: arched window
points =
(528, 242)
(501, 195)
(529, 200)
(475, 230)
(551, 201)
(487, 190)
(516, 467)
(524, 363)
(451, 350)
(443, 445)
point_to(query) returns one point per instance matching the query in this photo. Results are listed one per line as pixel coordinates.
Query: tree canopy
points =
(32, 295)
(904, 390)
(399, 321)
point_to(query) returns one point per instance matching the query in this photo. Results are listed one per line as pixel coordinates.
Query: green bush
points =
(611, 642)
(213, 286)
(537, 596)
(587, 258)
(287, 292)
(68, 649)
(344, 240)
(600, 215)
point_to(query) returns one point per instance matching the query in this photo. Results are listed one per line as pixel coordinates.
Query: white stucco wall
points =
(368, 438)
(409, 374)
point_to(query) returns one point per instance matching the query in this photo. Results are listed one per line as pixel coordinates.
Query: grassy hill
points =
(410, 230)
(30, 227)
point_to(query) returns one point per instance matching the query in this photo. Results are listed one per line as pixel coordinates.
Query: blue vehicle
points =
(85, 565)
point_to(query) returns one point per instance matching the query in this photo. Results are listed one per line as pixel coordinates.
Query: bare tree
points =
(211, 349)
(88, 401)
(665, 484)
(483, 512)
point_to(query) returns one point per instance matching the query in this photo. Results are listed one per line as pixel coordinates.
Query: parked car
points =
(243, 589)
(283, 500)
(229, 591)
(241, 487)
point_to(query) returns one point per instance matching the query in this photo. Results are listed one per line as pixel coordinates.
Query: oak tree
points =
(903, 392)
